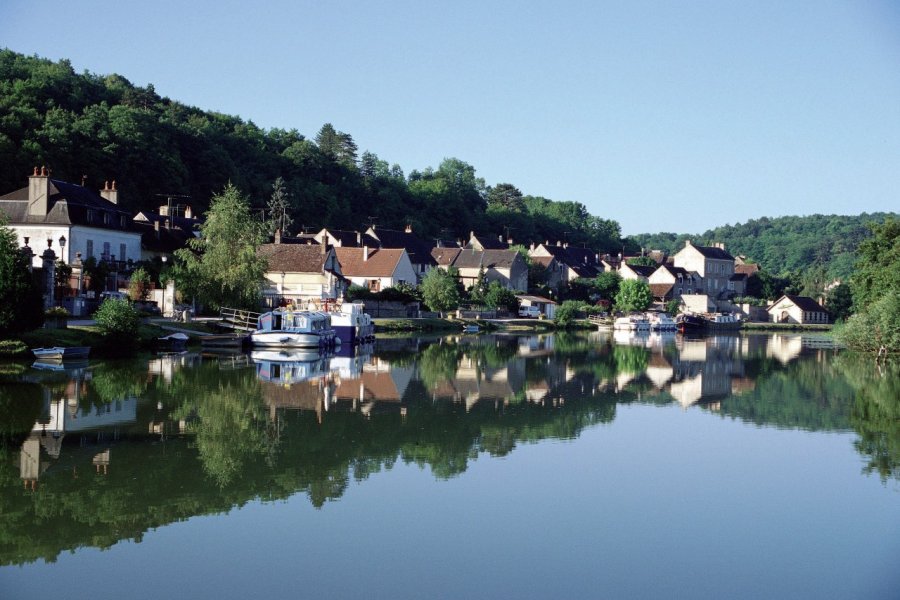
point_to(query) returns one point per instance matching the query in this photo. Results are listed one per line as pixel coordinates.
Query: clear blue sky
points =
(665, 116)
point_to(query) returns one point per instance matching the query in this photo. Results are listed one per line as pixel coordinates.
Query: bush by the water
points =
(878, 327)
(118, 319)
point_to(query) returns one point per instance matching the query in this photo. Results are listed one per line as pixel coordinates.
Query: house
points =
(504, 266)
(418, 250)
(75, 218)
(570, 262)
(165, 231)
(797, 309)
(712, 264)
(301, 273)
(668, 282)
(545, 305)
(376, 268)
(485, 242)
(636, 272)
(344, 238)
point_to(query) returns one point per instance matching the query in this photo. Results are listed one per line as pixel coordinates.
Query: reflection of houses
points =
(473, 382)
(784, 348)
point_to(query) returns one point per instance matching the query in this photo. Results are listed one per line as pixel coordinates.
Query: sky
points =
(661, 115)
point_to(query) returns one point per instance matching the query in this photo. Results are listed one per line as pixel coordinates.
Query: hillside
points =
(784, 245)
(102, 127)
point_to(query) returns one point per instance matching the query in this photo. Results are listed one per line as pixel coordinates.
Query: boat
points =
(632, 323)
(661, 322)
(471, 328)
(287, 328)
(173, 341)
(689, 322)
(61, 352)
(352, 325)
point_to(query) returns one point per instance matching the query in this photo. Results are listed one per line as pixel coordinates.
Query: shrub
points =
(877, 327)
(56, 312)
(568, 311)
(118, 319)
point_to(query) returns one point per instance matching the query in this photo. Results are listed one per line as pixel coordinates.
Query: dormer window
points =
(91, 215)
(107, 219)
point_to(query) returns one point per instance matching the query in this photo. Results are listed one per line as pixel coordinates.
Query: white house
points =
(301, 273)
(797, 309)
(73, 219)
(376, 268)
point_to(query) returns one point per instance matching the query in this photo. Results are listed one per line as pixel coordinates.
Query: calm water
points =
(473, 467)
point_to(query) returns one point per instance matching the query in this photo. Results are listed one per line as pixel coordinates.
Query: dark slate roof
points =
(738, 277)
(67, 204)
(177, 222)
(445, 256)
(676, 271)
(643, 270)
(418, 250)
(352, 239)
(467, 258)
(487, 242)
(165, 240)
(713, 252)
(294, 258)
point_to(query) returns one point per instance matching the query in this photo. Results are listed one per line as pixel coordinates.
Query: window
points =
(122, 221)
(91, 215)
(731, 285)
(105, 250)
(107, 219)
(89, 248)
(122, 251)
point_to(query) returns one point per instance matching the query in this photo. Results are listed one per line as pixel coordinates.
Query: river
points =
(478, 466)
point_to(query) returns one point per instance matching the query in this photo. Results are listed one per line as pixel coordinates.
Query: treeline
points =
(818, 246)
(102, 128)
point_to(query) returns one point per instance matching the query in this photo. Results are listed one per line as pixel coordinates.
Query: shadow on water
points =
(98, 453)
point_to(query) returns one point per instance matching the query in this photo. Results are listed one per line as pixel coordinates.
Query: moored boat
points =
(286, 328)
(62, 352)
(632, 323)
(351, 324)
(688, 322)
(661, 322)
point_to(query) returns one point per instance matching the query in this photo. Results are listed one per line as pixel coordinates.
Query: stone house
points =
(306, 274)
(74, 219)
(565, 263)
(376, 268)
(713, 265)
(798, 310)
(504, 266)
(417, 249)
(668, 282)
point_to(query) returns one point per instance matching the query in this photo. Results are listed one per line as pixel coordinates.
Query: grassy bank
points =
(751, 326)
(89, 335)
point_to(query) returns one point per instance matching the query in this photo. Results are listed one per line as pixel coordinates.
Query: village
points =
(84, 228)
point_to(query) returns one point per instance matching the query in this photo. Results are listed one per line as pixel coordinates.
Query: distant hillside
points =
(102, 127)
(783, 245)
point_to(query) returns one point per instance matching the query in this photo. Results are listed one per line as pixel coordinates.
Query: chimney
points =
(365, 253)
(277, 236)
(110, 192)
(408, 228)
(358, 239)
(687, 243)
(39, 193)
(188, 213)
(156, 228)
(324, 248)
(500, 237)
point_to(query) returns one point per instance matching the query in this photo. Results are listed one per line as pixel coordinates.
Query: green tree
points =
(878, 268)
(498, 296)
(607, 284)
(839, 301)
(439, 290)
(21, 302)
(222, 266)
(139, 284)
(633, 295)
(279, 206)
(641, 261)
(506, 195)
(118, 320)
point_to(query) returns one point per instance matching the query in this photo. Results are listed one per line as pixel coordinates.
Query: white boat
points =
(61, 353)
(352, 325)
(286, 328)
(661, 322)
(632, 323)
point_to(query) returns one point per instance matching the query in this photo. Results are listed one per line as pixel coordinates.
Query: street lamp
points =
(282, 285)
(164, 259)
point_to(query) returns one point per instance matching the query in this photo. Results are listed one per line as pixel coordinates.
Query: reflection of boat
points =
(351, 325)
(286, 328)
(632, 323)
(294, 355)
(471, 329)
(289, 367)
(61, 353)
(72, 365)
(688, 322)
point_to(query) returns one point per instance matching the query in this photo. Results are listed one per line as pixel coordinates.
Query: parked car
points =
(529, 311)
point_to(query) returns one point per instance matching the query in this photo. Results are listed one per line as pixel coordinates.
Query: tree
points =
(498, 296)
(439, 290)
(21, 304)
(222, 267)
(641, 261)
(506, 195)
(839, 301)
(878, 268)
(279, 204)
(607, 284)
(633, 295)
(139, 284)
(118, 320)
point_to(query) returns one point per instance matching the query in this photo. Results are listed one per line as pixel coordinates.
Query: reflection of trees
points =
(112, 381)
(876, 412)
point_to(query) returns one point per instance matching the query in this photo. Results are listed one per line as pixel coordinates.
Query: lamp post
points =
(165, 287)
(281, 291)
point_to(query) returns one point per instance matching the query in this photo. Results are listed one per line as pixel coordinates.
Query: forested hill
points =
(104, 128)
(784, 245)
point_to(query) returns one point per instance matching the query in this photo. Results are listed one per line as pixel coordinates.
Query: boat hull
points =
(287, 339)
(61, 353)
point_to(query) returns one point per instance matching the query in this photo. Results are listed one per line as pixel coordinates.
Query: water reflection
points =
(131, 445)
